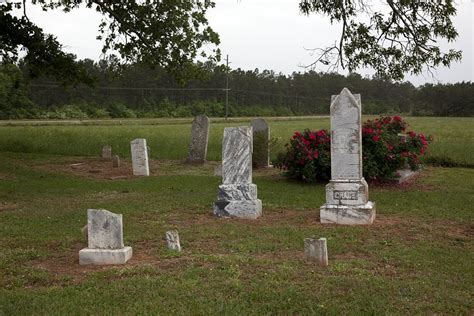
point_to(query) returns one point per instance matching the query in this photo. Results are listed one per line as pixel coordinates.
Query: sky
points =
(263, 34)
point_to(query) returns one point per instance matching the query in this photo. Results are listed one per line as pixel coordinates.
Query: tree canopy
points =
(164, 33)
(402, 38)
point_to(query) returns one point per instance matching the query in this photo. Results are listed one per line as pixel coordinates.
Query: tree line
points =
(136, 90)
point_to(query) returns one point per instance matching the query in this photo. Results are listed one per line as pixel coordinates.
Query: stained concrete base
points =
(104, 256)
(348, 215)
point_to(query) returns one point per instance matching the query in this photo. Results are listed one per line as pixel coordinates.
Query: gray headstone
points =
(116, 161)
(104, 229)
(261, 139)
(316, 250)
(140, 157)
(172, 240)
(107, 152)
(105, 239)
(347, 193)
(199, 139)
(237, 195)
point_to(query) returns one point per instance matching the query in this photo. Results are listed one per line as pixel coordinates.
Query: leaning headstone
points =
(140, 157)
(261, 139)
(172, 240)
(237, 195)
(199, 139)
(107, 152)
(116, 161)
(316, 250)
(105, 239)
(347, 194)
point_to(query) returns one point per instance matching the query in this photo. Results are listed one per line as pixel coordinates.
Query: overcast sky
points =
(263, 34)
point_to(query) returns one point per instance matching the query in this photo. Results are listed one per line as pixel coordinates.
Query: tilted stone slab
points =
(140, 157)
(105, 239)
(261, 141)
(199, 139)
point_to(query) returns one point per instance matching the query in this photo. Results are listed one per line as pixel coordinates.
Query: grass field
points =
(417, 258)
(453, 136)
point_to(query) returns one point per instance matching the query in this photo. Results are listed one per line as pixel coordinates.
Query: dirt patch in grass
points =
(7, 206)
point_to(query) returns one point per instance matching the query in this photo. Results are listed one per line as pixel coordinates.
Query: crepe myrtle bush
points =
(387, 147)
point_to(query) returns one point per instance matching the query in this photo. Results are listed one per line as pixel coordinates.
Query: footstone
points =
(237, 196)
(218, 171)
(107, 152)
(261, 139)
(316, 250)
(140, 157)
(199, 139)
(116, 161)
(105, 239)
(172, 240)
(347, 193)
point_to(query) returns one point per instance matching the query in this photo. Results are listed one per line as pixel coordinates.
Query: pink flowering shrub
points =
(386, 148)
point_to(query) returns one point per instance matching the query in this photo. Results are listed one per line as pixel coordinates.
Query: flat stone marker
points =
(347, 193)
(140, 157)
(105, 239)
(261, 139)
(172, 240)
(237, 196)
(116, 161)
(199, 139)
(107, 152)
(316, 250)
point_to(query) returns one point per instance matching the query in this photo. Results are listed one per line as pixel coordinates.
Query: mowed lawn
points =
(417, 257)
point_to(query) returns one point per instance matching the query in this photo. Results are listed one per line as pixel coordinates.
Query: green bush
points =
(385, 150)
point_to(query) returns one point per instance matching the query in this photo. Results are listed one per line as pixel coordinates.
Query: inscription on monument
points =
(345, 195)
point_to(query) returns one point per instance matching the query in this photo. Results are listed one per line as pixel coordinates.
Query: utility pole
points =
(227, 88)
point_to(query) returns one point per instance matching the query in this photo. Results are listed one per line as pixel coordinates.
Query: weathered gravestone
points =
(172, 240)
(316, 250)
(237, 195)
(261, 139)
(140, 157)
(107, 152)
(105, 239)
(347, 194)
(199, 139)
(116, 161)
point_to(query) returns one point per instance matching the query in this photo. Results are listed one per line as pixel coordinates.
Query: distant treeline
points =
(138, 91)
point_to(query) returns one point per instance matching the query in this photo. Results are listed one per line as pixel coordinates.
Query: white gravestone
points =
(172, 240)
(316, 250)
(105, 239)
(261, 141)
(237, 195)
(199, 139)
(140, 157)
(347, 194)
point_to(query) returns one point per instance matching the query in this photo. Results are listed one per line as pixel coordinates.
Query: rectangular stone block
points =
(237, 192)
(348, 214)
(199, 139)
(104, 256)
(237, 155)
(104, 229)
(172, 240)
(250, 209)
(107, 152)
(347, 192)
(140, 157)
(316, 250)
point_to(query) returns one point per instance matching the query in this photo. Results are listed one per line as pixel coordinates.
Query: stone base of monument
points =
(347, 214)
(250, 209)
(104, 256)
